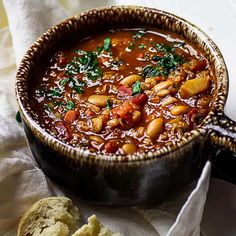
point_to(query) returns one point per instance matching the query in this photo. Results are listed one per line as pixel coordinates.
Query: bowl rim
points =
(85, 154)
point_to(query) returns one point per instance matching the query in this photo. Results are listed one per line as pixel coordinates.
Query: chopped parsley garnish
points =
(18, 117)
(170, 61)
(77, 85)
(139, 34)
(109, 104)
(64, 81)
(79, 89)
(55, 92)
(164, 48)
(136, 36)
(105, 47)
(86, 63)
(142, 46)
(107, 44)
(70, 105)
(80, 52)
(165, 64)
(151, 71)
(99, 49)
(156, 58)
(74, 83)
(136, 88)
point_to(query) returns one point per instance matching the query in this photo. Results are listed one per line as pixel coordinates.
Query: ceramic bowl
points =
(138, 178)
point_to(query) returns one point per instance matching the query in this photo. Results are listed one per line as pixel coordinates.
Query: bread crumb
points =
(94, 228)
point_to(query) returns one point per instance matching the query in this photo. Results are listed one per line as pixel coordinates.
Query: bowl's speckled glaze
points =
(137, 178)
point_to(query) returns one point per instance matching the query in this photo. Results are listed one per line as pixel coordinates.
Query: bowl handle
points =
(222, 133)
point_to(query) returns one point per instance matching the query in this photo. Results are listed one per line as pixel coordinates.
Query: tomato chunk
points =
(140, 99)
(70, 116)
(197, 65)
(124, 110)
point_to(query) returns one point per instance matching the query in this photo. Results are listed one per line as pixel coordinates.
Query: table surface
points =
(218, 19)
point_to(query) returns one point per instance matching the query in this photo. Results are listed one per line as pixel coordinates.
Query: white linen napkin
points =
(22, 182)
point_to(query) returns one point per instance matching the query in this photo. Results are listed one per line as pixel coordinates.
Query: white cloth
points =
(22, 182)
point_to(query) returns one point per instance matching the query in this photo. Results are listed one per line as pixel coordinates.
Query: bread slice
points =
(94, 228)
(53, 216)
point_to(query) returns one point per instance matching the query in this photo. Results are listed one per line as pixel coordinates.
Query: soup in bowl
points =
(124, 91)
(119, 104)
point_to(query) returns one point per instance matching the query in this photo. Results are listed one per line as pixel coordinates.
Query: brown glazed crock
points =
(138, 178)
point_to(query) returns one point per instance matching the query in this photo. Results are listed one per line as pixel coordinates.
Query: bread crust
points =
(57, 215)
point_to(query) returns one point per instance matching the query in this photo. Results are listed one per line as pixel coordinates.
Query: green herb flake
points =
(164, 48)
(18, 117)
(87, 64)
(70, 105)
(109, 104)
(165, 63)
(77, 85)
(156, 58)
(79, 52)
(142, 46)
(136, 88)
(170, 62)
(94, 75)
(139, 34)
(64, 81)
(56, 92)
(99, 49)
(152, 71)
(107, 44)
(79, 89)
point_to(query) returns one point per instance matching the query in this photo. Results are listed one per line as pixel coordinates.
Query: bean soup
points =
(124, 91)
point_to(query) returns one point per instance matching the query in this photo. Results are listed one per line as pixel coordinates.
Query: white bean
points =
(169, 100)
(94, 107)
(162, 85)
(136, 115)
(154, 127)
(162, 93)
(97, 124)
(113, 122)
(97, 139)
(131, 79)
(98, 100)
(179, 110)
